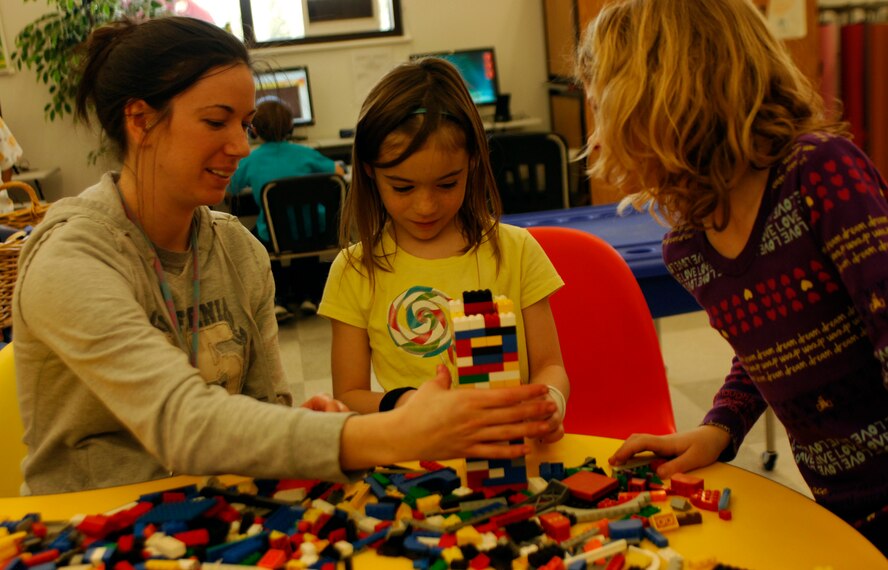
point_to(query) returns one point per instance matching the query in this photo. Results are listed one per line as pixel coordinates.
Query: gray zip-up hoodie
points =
(106, 392)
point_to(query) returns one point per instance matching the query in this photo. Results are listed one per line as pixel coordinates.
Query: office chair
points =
(611, 353)
(530, 171)
(12, 450)
(303, 215)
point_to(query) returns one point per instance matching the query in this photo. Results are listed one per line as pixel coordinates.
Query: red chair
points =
(608, 340)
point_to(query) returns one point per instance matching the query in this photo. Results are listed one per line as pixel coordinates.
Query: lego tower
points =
(486, 342)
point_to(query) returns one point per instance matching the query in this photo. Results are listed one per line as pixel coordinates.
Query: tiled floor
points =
(696, 357)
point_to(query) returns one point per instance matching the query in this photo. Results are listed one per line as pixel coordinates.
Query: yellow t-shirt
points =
(406, 314)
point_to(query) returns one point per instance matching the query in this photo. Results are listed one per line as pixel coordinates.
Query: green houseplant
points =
(49, 44)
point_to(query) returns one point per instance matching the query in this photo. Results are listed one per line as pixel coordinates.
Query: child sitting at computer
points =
(276, 157)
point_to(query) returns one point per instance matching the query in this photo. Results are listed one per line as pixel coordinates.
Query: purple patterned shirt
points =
(804, 307)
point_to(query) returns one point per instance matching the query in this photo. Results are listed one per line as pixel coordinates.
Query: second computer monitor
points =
(478, 69)
(292, 87)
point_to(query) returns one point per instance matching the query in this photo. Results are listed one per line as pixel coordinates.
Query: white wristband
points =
(559, 399)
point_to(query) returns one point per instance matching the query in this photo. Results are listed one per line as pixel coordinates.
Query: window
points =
(265, 23)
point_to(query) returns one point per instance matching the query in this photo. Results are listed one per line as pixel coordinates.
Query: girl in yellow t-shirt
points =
(424, 203)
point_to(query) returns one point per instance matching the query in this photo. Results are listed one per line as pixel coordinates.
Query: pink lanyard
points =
(165, 286)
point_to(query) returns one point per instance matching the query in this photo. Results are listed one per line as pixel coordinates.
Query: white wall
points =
(340, 76)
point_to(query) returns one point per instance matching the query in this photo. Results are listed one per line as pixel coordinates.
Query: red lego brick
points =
(590, 486)
(706, 499)
(479, 562)
(513, 516)
(431, 465)
(556, 525)
(172, 497)
(273, 559)
(685, 485)
(196, 537)
(95, 526)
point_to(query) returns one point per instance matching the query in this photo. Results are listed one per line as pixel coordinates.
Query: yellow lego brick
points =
(450, 554)
(311, 515)
(295, 564)
(663, 521)
(404, 512)
(511, 365)
(452, 520)
(504, 304)
(495, 340)
(468, 535)
(479, 341)
(359, 492)
(429, 504)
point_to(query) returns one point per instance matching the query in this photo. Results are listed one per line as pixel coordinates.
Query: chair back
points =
(608, 340)
(303, 214)
(12, 450)
(530, 171)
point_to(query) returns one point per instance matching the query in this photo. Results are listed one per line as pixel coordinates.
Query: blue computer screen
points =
(478, 69)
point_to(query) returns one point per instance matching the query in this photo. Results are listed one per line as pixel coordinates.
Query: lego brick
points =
(685, 485)
(589, 486)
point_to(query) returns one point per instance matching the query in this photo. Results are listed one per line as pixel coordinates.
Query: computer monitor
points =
(291, 86)
(478, 69)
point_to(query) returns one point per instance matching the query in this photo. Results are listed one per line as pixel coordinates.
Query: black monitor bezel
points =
(297, 121)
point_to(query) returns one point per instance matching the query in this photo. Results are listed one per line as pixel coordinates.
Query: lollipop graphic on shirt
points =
(418, 323)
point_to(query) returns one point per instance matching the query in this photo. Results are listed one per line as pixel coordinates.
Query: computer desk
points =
(638, 239)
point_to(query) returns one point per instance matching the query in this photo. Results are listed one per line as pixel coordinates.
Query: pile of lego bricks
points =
(567, 518)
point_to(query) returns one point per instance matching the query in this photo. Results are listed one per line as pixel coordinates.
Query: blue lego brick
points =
(656, 537)
(577, 565)
(471, 333)
(284, 519)
(369, 539)
(44, 566)
(487, 359)
(173, 527)
(724, 500)
(235, 552)
(412, 544)
(183, 511)
(190, 491)
(376, 487)
(630, 529)
(441, 481)
(381, 511)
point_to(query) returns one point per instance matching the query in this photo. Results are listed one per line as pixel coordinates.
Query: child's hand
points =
(440, 423)
(694, 448)
(324, 403)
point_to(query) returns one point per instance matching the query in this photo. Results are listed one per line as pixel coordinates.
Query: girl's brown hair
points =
(417, 99)
(686, 95)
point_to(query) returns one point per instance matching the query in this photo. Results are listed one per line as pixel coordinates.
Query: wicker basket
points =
(24, 216)
(10, 249)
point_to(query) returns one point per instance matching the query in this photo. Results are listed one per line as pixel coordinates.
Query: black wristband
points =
(391, 397)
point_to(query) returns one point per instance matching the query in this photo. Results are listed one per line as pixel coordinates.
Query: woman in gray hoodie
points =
(145, 337)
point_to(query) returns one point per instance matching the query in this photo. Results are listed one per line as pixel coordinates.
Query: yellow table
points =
(772, 527)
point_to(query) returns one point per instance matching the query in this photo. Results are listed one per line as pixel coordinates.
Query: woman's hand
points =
(324, 403)
(437, 423)
(692, 449)
(554, 423)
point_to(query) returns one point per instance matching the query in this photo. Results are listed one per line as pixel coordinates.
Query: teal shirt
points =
(271, 161)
